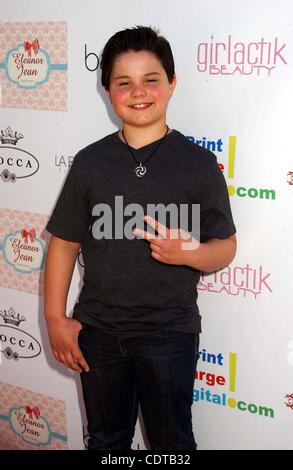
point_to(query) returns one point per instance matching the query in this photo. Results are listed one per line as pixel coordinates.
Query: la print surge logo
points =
(233, 57)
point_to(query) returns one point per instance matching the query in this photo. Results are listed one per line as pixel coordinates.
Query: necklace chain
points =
(140, 170)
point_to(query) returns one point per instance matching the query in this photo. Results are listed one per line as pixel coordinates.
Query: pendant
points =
(140, 170)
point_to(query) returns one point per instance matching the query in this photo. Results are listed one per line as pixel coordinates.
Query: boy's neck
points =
(139, 137)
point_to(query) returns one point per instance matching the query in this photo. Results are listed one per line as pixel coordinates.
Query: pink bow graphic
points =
(31, 411)
(29, 46)
(31, 234)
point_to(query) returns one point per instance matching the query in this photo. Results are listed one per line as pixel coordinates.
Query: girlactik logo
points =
(237, 280)
(23, 250)
(236, 57)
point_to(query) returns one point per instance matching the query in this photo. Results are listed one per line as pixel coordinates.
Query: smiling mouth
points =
(140, 106)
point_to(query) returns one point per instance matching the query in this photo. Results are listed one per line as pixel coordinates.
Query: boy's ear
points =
(108, 93)
(172, 85)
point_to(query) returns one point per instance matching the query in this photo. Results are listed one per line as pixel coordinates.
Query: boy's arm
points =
(213, 255)
(171, 247)
(63, 331)
(60, 262)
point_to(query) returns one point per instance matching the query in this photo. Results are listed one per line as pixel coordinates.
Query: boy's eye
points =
(148, 80)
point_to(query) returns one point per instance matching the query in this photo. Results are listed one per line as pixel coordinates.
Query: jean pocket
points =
(83, 326)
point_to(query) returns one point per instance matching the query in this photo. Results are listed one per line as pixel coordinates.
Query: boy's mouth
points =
(140, 106)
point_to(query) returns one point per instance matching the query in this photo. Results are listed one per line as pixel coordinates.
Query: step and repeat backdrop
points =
(234, 96)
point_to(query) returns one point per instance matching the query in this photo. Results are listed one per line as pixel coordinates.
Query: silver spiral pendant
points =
(140, 170)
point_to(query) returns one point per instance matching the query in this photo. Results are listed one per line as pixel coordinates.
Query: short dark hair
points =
(138, 38)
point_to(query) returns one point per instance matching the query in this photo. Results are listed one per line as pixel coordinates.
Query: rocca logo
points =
(239, 191)
(15, 163)
(15, 343)
(233, 57)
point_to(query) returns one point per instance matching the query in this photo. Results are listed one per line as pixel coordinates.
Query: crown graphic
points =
(10, 316)
(10, 137)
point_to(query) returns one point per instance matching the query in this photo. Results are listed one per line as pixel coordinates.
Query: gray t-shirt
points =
(125, 290)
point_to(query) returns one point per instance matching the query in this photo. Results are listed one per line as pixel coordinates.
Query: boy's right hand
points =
(63, 334)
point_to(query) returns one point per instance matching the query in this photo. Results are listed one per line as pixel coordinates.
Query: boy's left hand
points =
(171, 246)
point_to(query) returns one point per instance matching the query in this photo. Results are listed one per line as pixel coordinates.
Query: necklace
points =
(140, 170)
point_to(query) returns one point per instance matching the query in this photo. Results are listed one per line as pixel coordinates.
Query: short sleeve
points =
(216, 219)
(70, 218)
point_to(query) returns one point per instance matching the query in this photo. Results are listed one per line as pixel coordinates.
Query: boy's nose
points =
(138, 90)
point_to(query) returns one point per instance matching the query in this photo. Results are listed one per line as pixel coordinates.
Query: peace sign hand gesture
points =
(171, 246)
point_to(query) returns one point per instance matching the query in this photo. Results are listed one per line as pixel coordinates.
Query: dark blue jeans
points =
(157, 372)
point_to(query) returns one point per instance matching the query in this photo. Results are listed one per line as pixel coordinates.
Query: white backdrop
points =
(236, 98)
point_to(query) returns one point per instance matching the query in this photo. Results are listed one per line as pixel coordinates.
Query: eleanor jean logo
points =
(24, 250)
(28, 65)
(31, 426)
(123, 221)
(28, 422)
(231, 56)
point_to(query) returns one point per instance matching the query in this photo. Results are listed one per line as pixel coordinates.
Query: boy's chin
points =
(141, 123)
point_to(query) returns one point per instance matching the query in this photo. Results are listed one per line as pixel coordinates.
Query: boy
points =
(134, 335)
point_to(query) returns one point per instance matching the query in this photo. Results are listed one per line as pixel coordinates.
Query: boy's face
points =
(138, 78)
